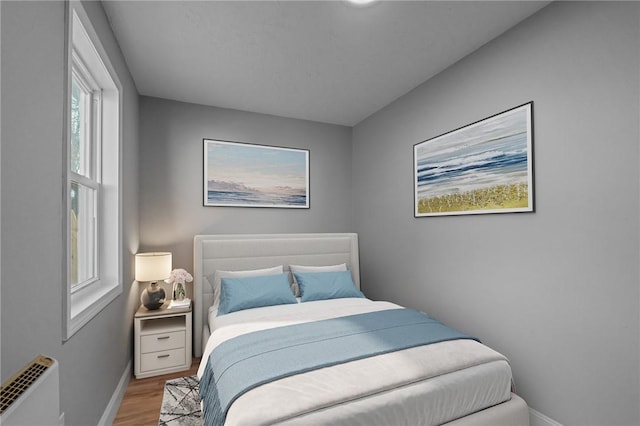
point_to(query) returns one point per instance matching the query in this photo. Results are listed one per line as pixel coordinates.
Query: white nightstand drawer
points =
(164, 359)
(162, 341)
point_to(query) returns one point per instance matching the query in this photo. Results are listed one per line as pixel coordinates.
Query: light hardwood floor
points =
(142, 400)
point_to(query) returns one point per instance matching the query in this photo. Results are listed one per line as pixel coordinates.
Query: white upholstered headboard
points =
(242, 252)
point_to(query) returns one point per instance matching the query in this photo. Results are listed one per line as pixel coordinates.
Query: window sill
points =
(87, 303)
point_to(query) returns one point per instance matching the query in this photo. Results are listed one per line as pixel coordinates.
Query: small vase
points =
(153, 296)
(179, 292)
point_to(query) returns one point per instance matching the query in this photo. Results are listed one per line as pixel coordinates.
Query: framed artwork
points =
(248, 175)
(484, 167)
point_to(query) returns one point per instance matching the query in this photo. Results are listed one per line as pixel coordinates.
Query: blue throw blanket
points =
(245, 362)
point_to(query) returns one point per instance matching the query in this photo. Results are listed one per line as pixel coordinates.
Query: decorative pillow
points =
(300, 268)
(253, 292)
(215, 278)
(326, 285)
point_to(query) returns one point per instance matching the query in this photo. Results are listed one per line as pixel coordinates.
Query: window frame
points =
(86, 59)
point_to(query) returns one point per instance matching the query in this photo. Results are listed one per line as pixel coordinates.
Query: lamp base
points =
(153, 297)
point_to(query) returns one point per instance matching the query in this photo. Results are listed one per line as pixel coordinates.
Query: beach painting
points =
(247, 175)
(484, 167)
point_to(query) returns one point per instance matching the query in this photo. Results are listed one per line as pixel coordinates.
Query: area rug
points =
(181, 403)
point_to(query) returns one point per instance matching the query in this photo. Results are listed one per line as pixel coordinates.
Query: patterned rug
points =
(181, 403)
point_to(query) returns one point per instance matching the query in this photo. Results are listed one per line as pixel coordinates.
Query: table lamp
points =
(153, 267)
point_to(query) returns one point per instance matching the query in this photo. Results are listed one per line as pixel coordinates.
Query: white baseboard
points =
(114, 403)
(536, 418)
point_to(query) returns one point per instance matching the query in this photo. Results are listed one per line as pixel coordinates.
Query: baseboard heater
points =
(32, 395)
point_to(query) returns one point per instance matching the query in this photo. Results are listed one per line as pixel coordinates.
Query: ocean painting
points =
(485, 167)
(247, 175)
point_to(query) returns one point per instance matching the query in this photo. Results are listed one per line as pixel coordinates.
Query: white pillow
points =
(219, 275)
(302, 269)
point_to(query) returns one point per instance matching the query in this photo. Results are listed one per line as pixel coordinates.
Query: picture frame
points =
(481, 168)
(239, 174)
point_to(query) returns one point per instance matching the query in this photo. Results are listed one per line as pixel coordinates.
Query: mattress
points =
(427, 385)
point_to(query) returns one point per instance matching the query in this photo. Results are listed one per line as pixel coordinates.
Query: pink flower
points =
(179, 276)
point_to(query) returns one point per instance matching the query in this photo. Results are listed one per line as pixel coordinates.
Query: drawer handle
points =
(163, 338)
(164, 356)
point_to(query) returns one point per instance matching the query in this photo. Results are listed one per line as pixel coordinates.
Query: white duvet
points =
(427, 385)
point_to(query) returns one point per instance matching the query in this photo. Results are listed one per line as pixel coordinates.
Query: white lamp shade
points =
(153, 266)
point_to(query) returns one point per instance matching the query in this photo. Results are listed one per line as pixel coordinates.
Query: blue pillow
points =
(237, 294)
(326, 285)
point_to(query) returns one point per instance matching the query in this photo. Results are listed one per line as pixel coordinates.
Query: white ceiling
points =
(325, 61)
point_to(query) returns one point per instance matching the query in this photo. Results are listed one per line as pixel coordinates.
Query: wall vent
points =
(31, 396)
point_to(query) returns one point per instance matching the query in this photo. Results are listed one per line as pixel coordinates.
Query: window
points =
(92, 226)
(84, 183)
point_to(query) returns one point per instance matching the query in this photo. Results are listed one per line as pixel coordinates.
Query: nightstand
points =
(162, 341)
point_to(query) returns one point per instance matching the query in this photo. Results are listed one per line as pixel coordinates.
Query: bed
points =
(455, 381)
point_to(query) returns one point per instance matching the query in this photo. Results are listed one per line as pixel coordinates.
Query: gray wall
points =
(171, 167)
(94, 359)
(556, 290)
